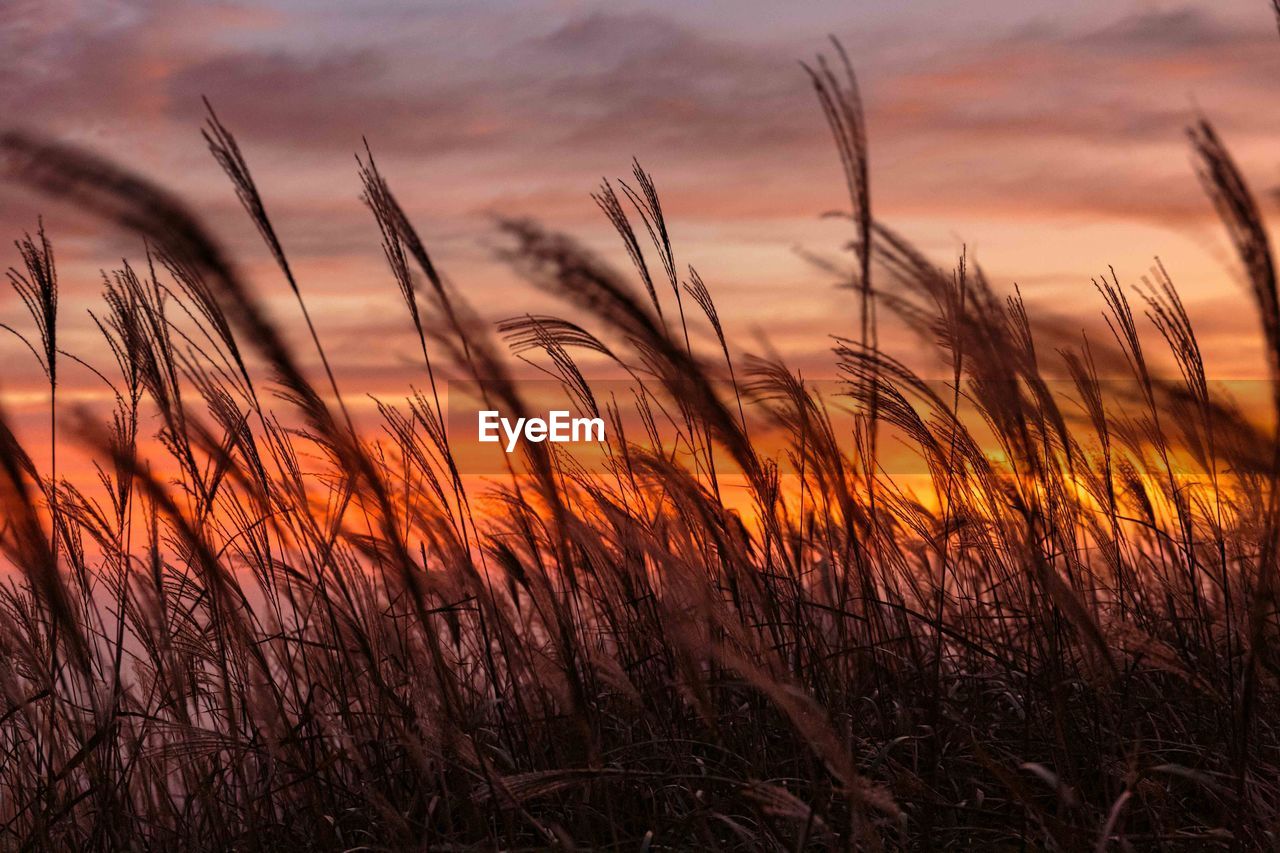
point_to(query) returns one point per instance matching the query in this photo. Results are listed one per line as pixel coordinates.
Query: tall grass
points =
(269, 628)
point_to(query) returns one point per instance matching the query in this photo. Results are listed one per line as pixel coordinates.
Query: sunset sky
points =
(1048, 137)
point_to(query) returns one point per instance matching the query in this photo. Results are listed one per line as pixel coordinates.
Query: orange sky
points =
(1048, 139)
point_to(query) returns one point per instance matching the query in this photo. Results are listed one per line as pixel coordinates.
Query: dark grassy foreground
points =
(268, 632)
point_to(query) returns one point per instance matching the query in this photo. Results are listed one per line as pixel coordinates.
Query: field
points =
(274, 627)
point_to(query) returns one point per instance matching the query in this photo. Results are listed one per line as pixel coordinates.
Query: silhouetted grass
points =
(268, 629)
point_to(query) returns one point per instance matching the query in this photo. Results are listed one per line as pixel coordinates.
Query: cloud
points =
(514, 117)
(1163, 31)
